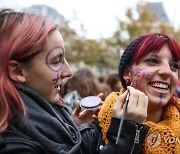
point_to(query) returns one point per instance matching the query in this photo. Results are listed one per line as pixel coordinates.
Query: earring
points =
(128, 82)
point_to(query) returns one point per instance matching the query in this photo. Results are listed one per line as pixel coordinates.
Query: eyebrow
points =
(58, 55)
(157, 56)
(57, 47)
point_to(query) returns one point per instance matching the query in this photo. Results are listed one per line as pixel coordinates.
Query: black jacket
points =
(50, 128)
(12, 142)
(130, 141)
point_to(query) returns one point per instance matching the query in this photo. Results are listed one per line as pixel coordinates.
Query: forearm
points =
(131, 139)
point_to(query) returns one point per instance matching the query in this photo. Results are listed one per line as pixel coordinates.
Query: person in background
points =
(69, 85)
(101, 86)
(33, 116)
(78, 88)
(150, 64)
(114, 82)
(83, 83)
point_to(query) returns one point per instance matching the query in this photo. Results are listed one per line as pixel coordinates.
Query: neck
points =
(154, 116)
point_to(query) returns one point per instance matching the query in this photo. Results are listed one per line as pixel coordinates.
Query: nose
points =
(165, 70)
(67, 71)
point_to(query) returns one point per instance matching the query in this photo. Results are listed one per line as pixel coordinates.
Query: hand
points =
(137, 106)
(85, 116)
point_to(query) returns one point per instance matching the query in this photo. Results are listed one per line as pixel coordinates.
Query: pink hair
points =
(22, 35)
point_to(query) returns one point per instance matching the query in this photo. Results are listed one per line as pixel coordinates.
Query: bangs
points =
(155, 44)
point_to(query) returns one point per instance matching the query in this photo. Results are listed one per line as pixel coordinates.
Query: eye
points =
(174, 66)
(58, 59)
(152, 61)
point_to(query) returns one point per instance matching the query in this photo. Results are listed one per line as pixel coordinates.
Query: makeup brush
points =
(122, 118)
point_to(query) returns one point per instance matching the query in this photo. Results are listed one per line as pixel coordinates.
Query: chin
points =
(159, 102)
(53, 100)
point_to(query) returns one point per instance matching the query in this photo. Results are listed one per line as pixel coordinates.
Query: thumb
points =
(118, 107)
(100, 95)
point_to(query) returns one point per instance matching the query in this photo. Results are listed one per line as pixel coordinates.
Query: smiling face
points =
(46, 71)
(156, 75)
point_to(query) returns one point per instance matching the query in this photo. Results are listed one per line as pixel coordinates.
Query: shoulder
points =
(16, 143)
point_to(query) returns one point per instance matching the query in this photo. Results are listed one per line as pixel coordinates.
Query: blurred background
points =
(97, 31)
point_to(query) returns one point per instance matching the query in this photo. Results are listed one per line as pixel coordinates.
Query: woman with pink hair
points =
(33, 116)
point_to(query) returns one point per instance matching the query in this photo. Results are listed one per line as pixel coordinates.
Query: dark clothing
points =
(50, 127)
(130, 141)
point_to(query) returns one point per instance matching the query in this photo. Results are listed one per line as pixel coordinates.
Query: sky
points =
(99, 17)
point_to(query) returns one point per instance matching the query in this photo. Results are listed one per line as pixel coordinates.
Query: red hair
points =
(154, 43)
(22, 35)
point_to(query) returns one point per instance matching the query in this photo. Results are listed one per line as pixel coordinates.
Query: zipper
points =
(137, 136)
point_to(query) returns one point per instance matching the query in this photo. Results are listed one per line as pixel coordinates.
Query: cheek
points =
(140, 78)
(175, 80)
(48, 76)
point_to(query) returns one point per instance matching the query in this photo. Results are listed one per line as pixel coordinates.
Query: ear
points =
(127, 74)
(15, 71)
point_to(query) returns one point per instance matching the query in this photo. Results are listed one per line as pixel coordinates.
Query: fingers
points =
(137, 106)
(100, 95)
(118, 107)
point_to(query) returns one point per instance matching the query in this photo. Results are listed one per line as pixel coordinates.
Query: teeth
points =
(160, 85)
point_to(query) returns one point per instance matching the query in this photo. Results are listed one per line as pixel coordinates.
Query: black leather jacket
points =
(130, 142)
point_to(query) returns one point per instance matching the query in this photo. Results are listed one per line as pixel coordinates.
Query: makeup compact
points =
(90, 102)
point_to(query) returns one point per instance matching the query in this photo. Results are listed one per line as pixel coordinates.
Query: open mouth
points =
(162, 87)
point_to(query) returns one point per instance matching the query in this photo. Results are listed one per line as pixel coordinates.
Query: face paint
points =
(161, 97)
(137, 77)
(147, 74)
(60, 65)
(56, 80)
(140, 74)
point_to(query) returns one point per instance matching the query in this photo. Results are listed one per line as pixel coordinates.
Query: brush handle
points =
(122, 118)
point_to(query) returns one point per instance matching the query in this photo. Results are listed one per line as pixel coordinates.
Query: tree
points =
(139, 23)
(91, 52)
(79, 48)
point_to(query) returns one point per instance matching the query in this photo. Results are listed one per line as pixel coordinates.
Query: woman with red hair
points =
(150, 64)
(33, 116)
